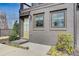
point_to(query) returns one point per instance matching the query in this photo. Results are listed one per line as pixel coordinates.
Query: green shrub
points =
(65, 42)
(53, 51)
(13, 36)
(14, 32)
(69, 50)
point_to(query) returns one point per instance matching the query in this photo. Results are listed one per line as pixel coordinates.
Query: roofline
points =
(39, 7)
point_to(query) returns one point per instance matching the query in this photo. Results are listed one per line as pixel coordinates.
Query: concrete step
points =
(18, 42)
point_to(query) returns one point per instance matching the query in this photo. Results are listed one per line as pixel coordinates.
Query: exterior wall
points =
(46, 35)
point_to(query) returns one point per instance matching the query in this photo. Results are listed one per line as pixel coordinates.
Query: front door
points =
(26, 28)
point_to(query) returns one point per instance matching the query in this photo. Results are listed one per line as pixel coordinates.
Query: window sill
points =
(58, 29)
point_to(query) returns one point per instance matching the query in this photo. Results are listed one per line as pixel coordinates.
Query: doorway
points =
(26, 28)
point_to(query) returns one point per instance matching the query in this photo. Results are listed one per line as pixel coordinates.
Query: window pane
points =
(39, 20)
(58, 19)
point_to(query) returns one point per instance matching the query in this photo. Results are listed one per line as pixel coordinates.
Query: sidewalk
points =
(34, 50)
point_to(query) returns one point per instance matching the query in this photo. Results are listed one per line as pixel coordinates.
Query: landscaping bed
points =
(54, 52)
(64, 45)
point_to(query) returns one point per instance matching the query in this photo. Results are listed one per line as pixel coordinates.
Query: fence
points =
(5, 32)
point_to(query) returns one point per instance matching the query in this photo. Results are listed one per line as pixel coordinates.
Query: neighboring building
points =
(3, 21)
(3, 24)
(43, 21)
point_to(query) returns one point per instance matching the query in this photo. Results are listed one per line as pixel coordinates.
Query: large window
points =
(58, 19)
(39, 20)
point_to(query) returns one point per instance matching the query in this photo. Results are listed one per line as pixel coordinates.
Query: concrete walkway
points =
(34, 50)
(6, 50)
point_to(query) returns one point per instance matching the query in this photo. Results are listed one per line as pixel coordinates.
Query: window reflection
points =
(58, 19)
(39, 20)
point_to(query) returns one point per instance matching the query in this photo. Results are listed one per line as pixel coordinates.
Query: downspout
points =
(75, 27)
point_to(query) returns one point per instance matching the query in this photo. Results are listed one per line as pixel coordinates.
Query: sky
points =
(12, 12)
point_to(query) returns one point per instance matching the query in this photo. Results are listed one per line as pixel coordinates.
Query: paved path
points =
(34, 50)
(6, 50)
